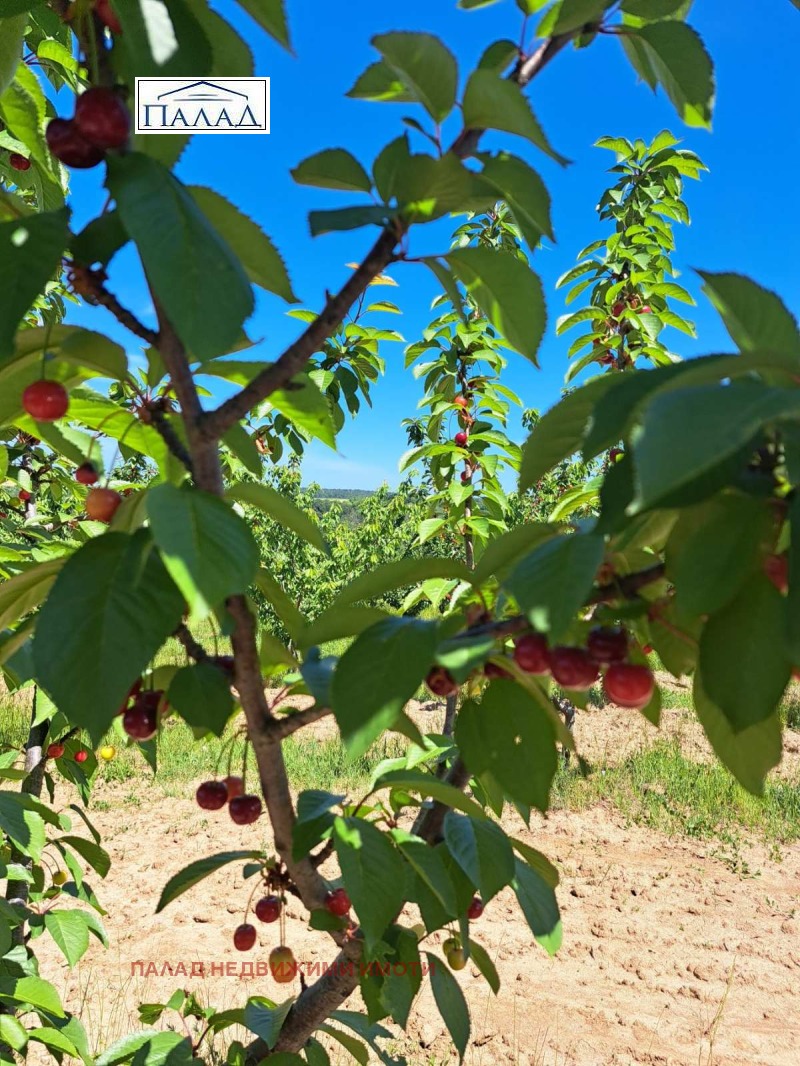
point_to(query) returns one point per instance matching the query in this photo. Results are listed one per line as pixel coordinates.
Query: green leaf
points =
(258, 255)
(33, 990)
(112, 596)
(334, 168)
(451, 1003)
(22, 825)
(347, 218)
(495, 103)
(381, 82)
(425, 67)
(12, 1031)
(538, 902)
(373, 873)
(271, 16)
(314, 819)
(749, 754)
(265, 1018)
(162, 40)
(480, 957)
(714, 548)
(201, 695)
(307, 408)
(756, 318)
(12, 34)
(398, 574)
(281, 509)
(402, 982)
(428, 785)
(70, 932)
(186, 260)
(793, 602)
(743, 655)
(524, 192)
(652, 10)
(377, 676)
(552, 583)
(717, 421)
(508, 736)
(91, 851)
(100, 240)
(429, 866)
(568, 15)
(482, 850)
(206, 547)
(337, 622)
(25, 591)
(507, 291)
(192, 874)
(30, 250)
(683, 67)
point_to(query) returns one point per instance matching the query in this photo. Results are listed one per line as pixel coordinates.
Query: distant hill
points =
(344, 494)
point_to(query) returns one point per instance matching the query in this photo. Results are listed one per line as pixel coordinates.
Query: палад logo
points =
(189, 105)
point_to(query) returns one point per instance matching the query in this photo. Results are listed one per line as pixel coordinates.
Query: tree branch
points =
(284, 727)
(90, 284)
(382, 253)
(162, 426)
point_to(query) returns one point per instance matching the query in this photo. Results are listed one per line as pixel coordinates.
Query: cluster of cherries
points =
(48, 401)
(101, 121)
(56, 751)
(626, 684)
(244, 808)
(141, 711)
(462, 437)
(452, 947)
(608, 358)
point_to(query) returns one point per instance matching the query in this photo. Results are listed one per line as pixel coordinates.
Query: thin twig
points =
(284, 727)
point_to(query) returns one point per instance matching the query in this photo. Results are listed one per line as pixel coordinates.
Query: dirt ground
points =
(669, 957)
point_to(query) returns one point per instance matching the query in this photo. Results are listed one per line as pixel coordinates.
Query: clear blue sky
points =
(753, 154)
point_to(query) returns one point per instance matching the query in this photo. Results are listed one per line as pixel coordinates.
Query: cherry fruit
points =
(572, 668)
(60, 877)
(245, 809)
(282, 964)
(102, 504)
(617, 309)
(441, 682)
(107, 16)
(776, 567)
(244, 937)
(461, 401)
(18, 162)
(615, 455)
(46, 401)
(495, 670)
(102, 118)
(337, 902)
(141, 720)
(268, 909)
(461, 439)
(67, 145)
(531, 654)
(81, 756)
(55, 751)
(475, 909)
(234, 785)
(607, 644)
(86, 474)
(211, 795)
(454, 954)
(629, 685)
(24, 495)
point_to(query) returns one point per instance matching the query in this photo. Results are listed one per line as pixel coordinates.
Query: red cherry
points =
(102, 504)
(465, 476)
(244, 937)
(81, 756)
(55, 751)
(46, 401)
(572, 668)
(495, 670)
(530, 654)
(86, 474)
(776, 567)
(475, 909)
(211, 795)
(461, 401)
(107, 16)
(234, 785)
(607, 644)
(617, 309)
(645, 310)
(606, 359)
(282, 965)
(337, 902)
(461, 439)
(24, 495)
(141, 720)
(102, 118)
(268, 909)
(441, 682)
(629, 685)
(615, 454)
(67, 145)
(19, 162)
(244, 809)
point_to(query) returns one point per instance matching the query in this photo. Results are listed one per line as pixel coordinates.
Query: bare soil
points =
(669, 957)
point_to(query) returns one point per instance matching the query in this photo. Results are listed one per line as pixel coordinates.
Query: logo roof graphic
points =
(202, 90)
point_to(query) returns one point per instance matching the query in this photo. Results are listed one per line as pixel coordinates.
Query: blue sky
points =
(753, 153)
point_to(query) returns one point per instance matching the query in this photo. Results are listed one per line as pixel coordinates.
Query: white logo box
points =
(202, 105)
